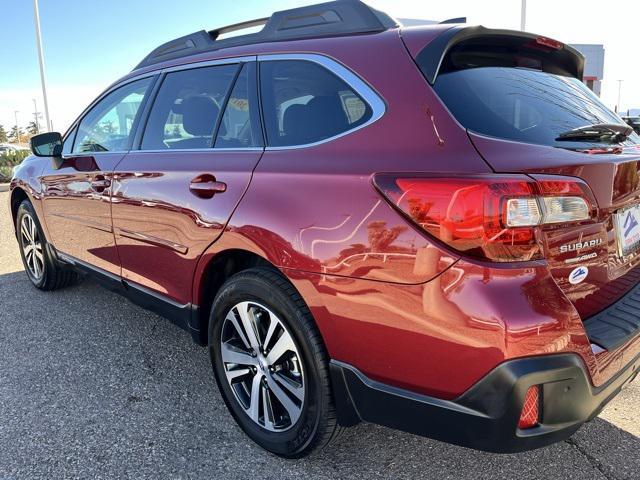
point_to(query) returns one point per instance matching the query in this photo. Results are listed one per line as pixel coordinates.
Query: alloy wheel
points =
(263, 366)
(32, 246)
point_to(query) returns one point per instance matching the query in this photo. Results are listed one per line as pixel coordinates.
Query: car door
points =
(76, 187)
(173, 196)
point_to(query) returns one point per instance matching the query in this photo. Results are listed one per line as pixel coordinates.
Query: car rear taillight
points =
(530, 414)
(496, 217)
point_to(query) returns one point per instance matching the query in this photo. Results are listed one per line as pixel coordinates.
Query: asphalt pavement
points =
(92, 386)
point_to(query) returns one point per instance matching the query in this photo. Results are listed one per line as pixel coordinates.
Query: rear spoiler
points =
(557, 57)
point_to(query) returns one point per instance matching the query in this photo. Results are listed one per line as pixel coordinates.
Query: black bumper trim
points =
(616, 324)
(486, 416)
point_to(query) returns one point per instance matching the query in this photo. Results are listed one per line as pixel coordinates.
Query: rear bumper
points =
(486, 416)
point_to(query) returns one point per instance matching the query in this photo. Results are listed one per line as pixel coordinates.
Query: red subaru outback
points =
(434, 229)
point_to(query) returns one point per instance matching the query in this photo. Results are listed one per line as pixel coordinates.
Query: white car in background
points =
(9, 147)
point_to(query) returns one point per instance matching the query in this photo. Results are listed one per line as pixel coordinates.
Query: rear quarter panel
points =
(315, 209)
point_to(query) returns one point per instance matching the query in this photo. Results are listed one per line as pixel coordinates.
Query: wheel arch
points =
(212, 275)
(18, 195)
(221, 265)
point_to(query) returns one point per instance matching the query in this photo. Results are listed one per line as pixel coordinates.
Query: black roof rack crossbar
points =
(237, 26)
(340, 17)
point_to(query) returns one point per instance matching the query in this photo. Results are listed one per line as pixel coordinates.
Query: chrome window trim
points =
(101, 97)
(152, 73)
(196, 150)
(106, 92)
(209, 63)
(362, 88)
(89, 153)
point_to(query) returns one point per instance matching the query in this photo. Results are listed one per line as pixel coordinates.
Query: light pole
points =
(43, 80)
(36, 114)
(15, 112)
(523, 15)
(619, 92)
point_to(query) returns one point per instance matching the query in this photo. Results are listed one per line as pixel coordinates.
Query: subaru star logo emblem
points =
(578, 274)
(630, 223)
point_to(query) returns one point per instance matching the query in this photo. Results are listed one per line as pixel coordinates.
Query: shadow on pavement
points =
(91, 385)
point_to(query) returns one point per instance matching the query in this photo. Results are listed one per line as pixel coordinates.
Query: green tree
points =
(3, 135)
(15, 134)
(32, 128)
(108, 127)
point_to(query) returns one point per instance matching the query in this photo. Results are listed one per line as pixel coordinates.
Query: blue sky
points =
(83, 38)
(91, 43)
(88, 44)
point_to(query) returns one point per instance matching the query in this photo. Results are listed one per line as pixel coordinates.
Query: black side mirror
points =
(47, 145)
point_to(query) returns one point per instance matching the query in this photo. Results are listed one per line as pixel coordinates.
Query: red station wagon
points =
(433, 228)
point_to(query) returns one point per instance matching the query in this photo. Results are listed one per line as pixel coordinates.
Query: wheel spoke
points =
(233, 375)
(292, 409)
(248, 321)
(267, 409)
(36, 266)
(26, 233)
(28, 250)
(254, 406)
(272, 328)
(231, 317)
(231, 354)
(38, 253)
(296, 390)
(283, 345)
(32, 225)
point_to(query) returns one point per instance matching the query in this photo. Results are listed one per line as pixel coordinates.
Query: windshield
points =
(523, 105)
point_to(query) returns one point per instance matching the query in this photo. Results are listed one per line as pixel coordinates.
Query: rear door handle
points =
(206, 186)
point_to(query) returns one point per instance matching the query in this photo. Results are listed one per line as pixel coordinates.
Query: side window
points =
(240, 126)
(67, 146)
(303, 103)
(108, 126)
(186, 110)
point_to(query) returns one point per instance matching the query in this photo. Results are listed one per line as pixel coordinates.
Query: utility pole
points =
(619, 92)
(523, 15)
(36, 13)
(15, 112)
(36, 115)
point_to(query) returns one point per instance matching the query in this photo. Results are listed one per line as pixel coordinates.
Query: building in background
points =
(594, 65)
(415, 22)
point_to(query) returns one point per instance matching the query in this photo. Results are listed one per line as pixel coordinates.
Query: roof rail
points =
(340, 17)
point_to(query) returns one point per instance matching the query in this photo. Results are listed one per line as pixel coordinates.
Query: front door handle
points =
(206, 186)
(99, 183)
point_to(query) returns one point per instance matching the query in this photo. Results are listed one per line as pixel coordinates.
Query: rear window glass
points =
(521, 104)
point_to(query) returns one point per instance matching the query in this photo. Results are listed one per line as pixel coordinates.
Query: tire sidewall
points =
(247, 288)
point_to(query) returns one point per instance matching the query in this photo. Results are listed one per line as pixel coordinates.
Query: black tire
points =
(54, 275)
(317, 424)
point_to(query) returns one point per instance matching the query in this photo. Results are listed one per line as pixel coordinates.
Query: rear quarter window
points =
(304, 103)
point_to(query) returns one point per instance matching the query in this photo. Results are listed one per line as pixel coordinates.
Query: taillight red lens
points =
(530, 415)
(491, 217)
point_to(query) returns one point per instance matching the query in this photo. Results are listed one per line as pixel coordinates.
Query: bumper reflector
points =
(530, 416)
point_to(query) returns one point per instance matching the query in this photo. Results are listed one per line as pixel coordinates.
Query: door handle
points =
(206, 186)
(99, 184)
